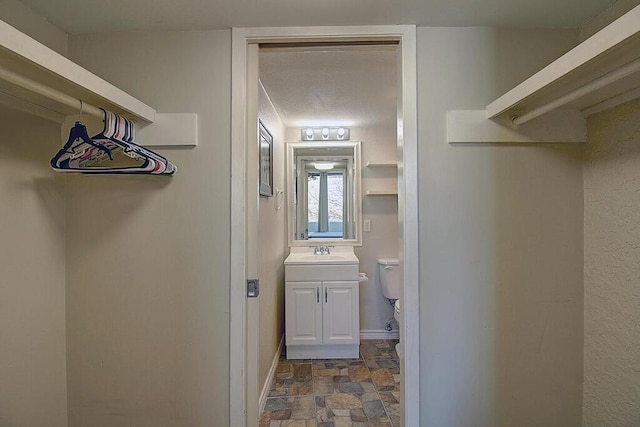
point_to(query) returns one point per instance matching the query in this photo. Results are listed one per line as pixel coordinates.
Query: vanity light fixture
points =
(308, 133)
(323, 166)
(325, 133)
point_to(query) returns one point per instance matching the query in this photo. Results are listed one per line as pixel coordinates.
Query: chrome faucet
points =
(321, 250)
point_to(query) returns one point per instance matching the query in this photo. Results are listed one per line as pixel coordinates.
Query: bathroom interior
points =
(330, 106)
(115, 290)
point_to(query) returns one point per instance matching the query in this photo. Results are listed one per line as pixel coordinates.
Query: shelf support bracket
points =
(473, 127)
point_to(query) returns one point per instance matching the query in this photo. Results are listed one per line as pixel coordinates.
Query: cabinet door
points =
(341, 322)
(303, 313)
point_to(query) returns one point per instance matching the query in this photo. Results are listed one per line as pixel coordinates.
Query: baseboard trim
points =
(379, 334)
(272, 373)
(324, 351)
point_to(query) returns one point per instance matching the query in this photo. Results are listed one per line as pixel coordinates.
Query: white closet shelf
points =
(599, 73)
(22, 57)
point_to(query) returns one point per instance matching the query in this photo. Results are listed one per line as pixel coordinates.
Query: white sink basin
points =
(309, 258)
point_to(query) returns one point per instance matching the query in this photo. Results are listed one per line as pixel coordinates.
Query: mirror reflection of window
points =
(325, 204)
(324, 213)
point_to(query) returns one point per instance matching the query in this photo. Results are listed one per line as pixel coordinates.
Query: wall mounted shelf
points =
(381, 193)
(599, 73)
(373, 164)
(30, 59)
(40, 81)
(388, 169)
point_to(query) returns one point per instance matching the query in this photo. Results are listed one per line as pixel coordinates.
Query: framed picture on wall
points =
(266, 160)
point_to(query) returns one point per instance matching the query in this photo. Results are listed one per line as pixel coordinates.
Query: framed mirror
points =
(323, 193)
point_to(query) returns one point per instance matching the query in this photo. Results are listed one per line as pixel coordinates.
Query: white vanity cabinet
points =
(322, 310)
(322, 313)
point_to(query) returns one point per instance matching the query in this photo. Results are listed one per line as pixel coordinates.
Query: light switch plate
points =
(366, 225)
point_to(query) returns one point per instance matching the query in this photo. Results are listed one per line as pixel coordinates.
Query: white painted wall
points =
(612, 276)
(33, 388)
(16, 14)
(273, 247)
(148, 256)
(501, 249)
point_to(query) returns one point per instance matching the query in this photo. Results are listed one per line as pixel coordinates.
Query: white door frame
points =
(407, 201)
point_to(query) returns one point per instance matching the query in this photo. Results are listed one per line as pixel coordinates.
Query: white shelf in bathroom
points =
(381, 193)
(373, 164)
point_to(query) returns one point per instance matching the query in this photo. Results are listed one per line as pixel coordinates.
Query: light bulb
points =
(325, 133)
(309, 133)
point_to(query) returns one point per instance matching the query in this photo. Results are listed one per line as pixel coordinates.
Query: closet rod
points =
(48, 92)
(583, 90)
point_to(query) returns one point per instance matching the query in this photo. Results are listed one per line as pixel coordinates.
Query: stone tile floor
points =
(337, 392)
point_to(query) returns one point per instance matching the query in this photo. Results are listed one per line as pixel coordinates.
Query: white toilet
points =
(389, 275)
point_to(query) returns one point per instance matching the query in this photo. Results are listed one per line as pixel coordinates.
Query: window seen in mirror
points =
(325, 204)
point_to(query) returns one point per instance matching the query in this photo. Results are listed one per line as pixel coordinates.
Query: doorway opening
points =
(243, 386)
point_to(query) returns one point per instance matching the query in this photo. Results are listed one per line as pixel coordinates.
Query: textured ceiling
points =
(92, 16)
(349, 86)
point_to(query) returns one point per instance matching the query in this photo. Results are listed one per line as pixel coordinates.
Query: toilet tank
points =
(389, 275)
